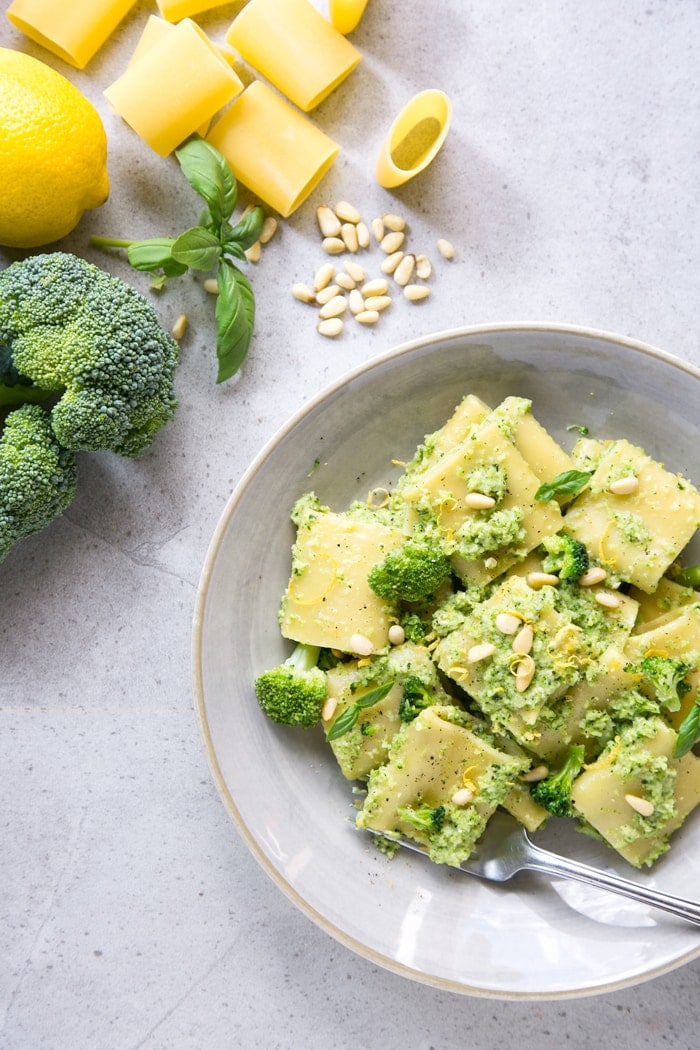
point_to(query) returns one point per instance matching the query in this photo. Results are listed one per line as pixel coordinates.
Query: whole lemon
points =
(53, 153)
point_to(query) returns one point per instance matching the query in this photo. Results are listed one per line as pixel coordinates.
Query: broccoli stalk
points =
(37, 476)
(91, 343)
(554, 791)
(565, 556)
(412, 572)
(665, 675)
(293, 693)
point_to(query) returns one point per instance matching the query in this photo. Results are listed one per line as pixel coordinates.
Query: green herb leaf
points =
(210, 175)
(247, 231)
(347, 719)
(689, 731)
(689, 577)
(570, 483)
(579, 428)
(197, 248)
(235, 317)
(153, 254)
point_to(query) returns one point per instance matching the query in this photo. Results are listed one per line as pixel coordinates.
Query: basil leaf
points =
(232, 248)
(235, 317)
(152, 254)
(689, 731)
(247, 231)
(689, 577)
(197, 248)
(570, 483)
(347, 719)
(209, 174)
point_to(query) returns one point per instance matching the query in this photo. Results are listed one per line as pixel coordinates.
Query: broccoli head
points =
(554, 791)
(412, 572)
(37, 475)
(425, 818)
(666, 677)
(565, 556)
(94, 345)
(416, 696)
(294, 692)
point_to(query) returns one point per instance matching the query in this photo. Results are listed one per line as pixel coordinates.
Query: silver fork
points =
(505, 848)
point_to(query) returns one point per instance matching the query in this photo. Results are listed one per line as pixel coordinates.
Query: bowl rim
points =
(358, 947)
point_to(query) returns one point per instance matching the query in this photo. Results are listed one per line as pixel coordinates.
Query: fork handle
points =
(542, 860)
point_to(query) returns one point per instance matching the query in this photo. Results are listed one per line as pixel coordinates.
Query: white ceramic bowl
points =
(532, 937)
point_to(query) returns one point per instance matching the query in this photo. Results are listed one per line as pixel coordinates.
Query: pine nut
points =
(397, 635)
(462, 797)
(394, 222)
(333, 308)
(391, 242)
(479, 501)
(303, 293)
(376, 287)
(328, 222)
(446, 249)
(535, 774)
(324, 276)
(356, 301)
(355, 271)
(391, 262)
(328, 709)
(269, 229)
(347, 213)
(522, 643)
(367, 316)
(361, 645)
(348, 233)
(423, 267)
(624, 486)
(596, 574)
(254, 252)
(608, 599)
(507, 623)
(179, 327)
(541, 579)
(363, 238)
(643, 806)
(327, 293)
(415, 292)
(211, 285)
(378, 302)
(378, 229)
(334, 245)
(482, 651)
(332, 327)
(345, 281)
(524, 674)
(404, 271)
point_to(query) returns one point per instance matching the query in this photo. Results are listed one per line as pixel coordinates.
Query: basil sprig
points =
(570, 483)
(209, 246)
(689, 731)
(347, 718)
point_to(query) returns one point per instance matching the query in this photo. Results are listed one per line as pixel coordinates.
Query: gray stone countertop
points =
(132, 916)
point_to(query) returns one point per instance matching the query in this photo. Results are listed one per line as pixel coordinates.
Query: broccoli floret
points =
(423, 818)
(416, 696)
(565, 556)
(37, 476)
(411, 572)
(293, 693)
(554, 792)
(94, 345)
(665, 675)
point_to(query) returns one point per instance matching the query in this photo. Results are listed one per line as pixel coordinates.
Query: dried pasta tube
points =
(294, 47)
(174, 88)
(72, 29)
(414, 138)
(175, 10)
(154, 30)
(345, 15)
(272, 148)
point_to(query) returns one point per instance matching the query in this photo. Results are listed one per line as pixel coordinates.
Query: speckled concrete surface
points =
(131, 915)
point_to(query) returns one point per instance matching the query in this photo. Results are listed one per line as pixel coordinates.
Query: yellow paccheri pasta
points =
(72, 29)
